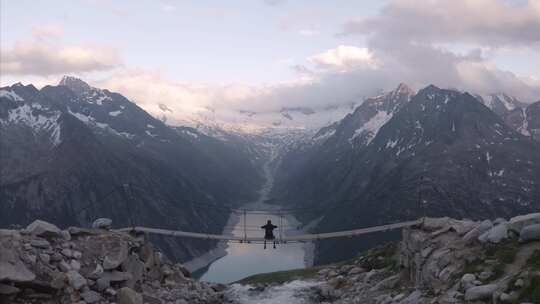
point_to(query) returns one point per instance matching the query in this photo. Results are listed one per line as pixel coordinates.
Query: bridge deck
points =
(292, 238)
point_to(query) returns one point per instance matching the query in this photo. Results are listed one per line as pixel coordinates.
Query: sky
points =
(264, 55)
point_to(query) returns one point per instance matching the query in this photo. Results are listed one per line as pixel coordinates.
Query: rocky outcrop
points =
(43, 264)
(441, 261)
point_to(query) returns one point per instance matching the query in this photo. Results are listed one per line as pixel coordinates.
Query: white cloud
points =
(485, 22)
(417, 42)
(44, 55)
(343, 58)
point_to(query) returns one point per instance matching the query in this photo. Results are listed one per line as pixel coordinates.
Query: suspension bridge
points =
(282, 239)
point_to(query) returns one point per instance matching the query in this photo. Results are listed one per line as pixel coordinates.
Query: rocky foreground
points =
(43, 264)
(441, 261)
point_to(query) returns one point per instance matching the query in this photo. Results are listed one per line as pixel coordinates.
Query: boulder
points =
(518, 222)
(12, 268)
(117, 253)
(135, 267)
(463, 226)
(117, 276)
(495, 235)
(530, 233)
(40, 243)
(91, 296)
(467, 281)
(482, 292)
(58, 280)
(432, 224)
(127, 295)
(76, 280)
(102, 223)
(42, 228)
(476, 232)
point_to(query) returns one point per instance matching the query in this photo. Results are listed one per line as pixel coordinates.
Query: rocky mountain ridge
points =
(440, 152)
(71, 153)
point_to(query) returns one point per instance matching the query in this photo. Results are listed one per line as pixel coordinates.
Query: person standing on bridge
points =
(269, 233)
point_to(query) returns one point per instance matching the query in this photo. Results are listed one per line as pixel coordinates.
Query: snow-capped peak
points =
(75, 84)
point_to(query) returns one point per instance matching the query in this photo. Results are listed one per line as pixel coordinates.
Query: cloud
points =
(414, 41)
(343, 58)
(43, 55)
(486, 22)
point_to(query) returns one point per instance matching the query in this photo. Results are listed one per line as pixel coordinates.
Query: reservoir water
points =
(242, 260)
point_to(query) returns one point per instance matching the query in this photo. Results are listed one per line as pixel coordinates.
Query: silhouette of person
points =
(269, 233)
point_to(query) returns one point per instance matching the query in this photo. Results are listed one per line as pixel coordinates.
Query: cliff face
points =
(43, 264)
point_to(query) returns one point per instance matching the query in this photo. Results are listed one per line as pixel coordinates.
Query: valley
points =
(393, 159)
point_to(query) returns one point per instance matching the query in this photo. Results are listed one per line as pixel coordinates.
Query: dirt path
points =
(521, 258)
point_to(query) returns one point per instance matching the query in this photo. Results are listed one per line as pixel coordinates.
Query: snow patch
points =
(10, 95)
(372, 127)
(115, 113)
(488, 157)
(38, 122)
(325, 135)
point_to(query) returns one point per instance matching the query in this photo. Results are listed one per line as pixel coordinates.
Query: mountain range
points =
(71, 153)
(403, 154)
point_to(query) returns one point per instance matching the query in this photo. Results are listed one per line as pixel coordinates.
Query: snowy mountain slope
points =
(65, 148)
(463, 158)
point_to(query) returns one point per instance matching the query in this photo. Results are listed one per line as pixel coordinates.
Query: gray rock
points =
(76, 280)
(8, 289)
(495, 234)
(356, 270)
(91, 296)
(64, 266)
(56, 257)
(58, 280)
(68, 253)
(116, 255)
(102, 223)
(530, 233)
(482, 292)
(117, 276)
(12, 268)
(102, 284)
(467, 281)
(498, 221)
(75, 265)
(42, 228)
(40, 243)
(127, 295)
(77, 254)
(518, 222)
(476, 232)
(45, 258)
(135, 267)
